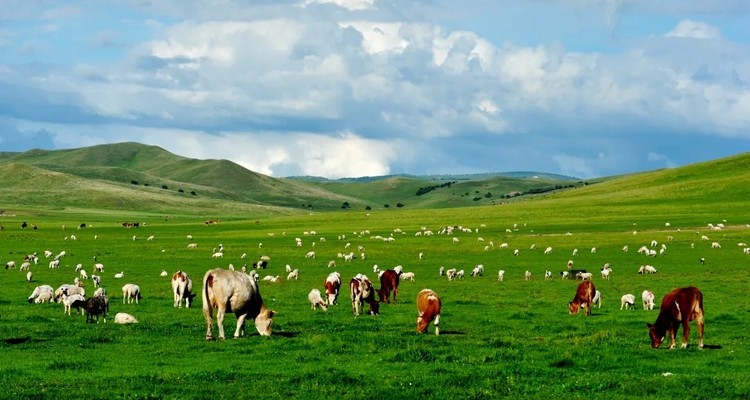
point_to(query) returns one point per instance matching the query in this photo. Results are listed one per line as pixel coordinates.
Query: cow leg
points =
(671, 332)
(208, 314)
(437, 324)
(699, 321)
(240, 325)
(220, 321)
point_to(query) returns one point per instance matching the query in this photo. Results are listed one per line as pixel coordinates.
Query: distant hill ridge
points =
(135, 176)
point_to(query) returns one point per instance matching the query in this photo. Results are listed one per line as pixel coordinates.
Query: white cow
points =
(237, 292)
(648, 300)
(182, 289)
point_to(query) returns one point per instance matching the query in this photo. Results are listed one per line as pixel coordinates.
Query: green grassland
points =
(498, 339)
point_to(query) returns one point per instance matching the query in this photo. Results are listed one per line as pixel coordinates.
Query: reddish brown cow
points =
(332, 285)
(428, 305)
(584, 298)
(388, 283)
(679, 305)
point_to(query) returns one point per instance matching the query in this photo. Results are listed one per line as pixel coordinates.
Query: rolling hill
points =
(133, 176)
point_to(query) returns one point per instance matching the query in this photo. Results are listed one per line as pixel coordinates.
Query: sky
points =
(349, 88)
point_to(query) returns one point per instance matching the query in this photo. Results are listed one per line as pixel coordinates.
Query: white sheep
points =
(28, 276)
(125, 318)
(441, 271)
(451, 274)
(293, 275)
(131, 292)
(627, 301)
(407, 276)
(584, 276)
(527, 275)
(548, 250)
(310, 254)
(218, 254)
(74, 300)
(316, 299)
(547, 275)
(120, 274)
(500, 275)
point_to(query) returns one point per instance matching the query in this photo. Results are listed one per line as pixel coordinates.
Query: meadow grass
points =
(498, 339)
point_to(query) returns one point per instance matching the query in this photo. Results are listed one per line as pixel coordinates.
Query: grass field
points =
(498, 339)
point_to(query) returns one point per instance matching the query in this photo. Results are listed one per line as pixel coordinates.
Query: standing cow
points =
(182, 288)
(681, 305)
(388, 284)
(584, 298)
(237, 292)
(361, 292)
(332, 285)
(429, 306)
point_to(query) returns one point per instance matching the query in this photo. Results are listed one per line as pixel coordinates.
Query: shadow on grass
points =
(17, 340)
(451, 333)
(286, 334)
(712, 346)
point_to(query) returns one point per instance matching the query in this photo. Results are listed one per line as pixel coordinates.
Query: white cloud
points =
(694, 30)
(352, 5)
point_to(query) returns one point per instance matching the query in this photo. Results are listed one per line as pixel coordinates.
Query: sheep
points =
(316, 299)
(548, 250)
(38, 291)
(715, 245)
(25, 266)
(84, 275)
(44, 297)
(189, 246)
(625, 249)
(218, 254)
(460, 274)
(10, 265)
(76, 301)
(584, 276)
(500, 275)
(120, 274)
(516, 252)
(100, 292)
(150, 238)
(647, 269)
(310, 254)
(627, 301)
(293, 275)
(547, 275)
(564, 275)
(78, 267)
(441, 271)
(125, 318)
(606, 271)
(332, 264)
(575, 252)
(28, 276)
(527, 275)
(407, 276)
(451, 274)
(68, 290)
(478, 270)
(99, 267)
(570, 264)
(165, 273)
(131, 292)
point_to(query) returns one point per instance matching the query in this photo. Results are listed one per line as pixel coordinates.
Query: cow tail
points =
(208, 281)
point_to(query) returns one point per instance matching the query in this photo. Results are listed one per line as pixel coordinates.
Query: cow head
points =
(657, 335)
(264, 321)
(422, 323)
(574, 307)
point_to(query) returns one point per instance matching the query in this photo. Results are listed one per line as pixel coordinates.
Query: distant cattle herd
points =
(238, 291)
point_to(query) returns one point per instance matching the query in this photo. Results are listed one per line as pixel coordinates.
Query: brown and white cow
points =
(182, 288)
(429, 306)
(332, 285)
(237, 292)
(584, 298)
(681, 305)
(388, 284)
(361, 292)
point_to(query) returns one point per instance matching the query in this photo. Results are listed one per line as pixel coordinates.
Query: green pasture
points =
(498, 339)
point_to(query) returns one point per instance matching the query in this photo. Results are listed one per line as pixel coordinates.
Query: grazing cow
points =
(316, 300)
(131, 292)
(388, 283)
(237, 292)
(584, 298)
(182, 288)
(680, 305)
(648, 300)
(428, 306)
(627, 301)
(362, 291)
(332, 285)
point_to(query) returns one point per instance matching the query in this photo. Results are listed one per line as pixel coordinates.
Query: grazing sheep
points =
(548, 250)
(119, 275)
(131, 292)
(310, 254)
(164, 273)
(125, 318)
(547, 275)
(584, 276)
(570, 264)
(606, 271)
(218, 254)
(316, 300)
(83, 274)
(478, 270)
(527, 275)
(28, 276)
(68, 290)
(451, 274)
(460, 274)
(575, 252)
(407, 276)
(189, 246)
(647, 269)
(441, 271)
(38, 291)
(10, 265)
(76, 301)
(500, 275)
(627, 301)
(293, 275)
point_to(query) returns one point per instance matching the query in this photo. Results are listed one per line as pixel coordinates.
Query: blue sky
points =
(342, 88)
